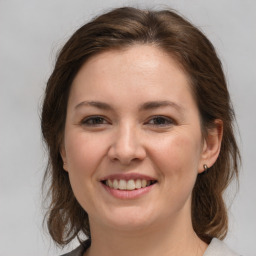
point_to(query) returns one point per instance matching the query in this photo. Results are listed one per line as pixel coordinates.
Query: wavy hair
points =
(173, 34)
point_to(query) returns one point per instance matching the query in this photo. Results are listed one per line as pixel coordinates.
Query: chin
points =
(129, 218)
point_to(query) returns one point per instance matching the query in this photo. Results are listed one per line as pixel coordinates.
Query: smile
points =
(128, 185)
(131, 184)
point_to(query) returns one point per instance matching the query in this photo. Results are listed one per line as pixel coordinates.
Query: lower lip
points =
(128, 194)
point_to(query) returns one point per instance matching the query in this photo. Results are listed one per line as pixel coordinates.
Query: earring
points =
(205, 167)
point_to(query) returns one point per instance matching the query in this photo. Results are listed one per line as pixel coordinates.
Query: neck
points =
(164, 239)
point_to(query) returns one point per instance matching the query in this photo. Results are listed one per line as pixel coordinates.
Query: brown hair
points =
(173, 34)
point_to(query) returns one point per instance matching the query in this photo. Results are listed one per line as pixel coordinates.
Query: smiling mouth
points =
(128, 184)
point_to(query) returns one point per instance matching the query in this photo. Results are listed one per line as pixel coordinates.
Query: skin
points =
(130, 139)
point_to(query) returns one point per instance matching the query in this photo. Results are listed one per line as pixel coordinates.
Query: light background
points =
(31, 32)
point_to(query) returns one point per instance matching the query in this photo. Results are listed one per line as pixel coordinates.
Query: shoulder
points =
(79, 251)
(218, 248)
(215, 248)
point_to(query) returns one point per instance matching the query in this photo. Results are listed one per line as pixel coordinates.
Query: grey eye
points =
(160, 121)
(95, 120)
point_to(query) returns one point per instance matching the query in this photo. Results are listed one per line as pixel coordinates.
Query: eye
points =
(160, 121)
(94, 121)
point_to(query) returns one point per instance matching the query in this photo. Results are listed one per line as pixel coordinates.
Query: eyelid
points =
(88, 118)
(170, 120)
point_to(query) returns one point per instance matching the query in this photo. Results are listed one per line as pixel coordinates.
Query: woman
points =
(138, 122)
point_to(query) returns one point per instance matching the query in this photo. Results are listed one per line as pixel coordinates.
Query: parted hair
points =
(170, 32)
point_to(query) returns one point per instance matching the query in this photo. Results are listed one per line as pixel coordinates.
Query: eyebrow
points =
(158, 104)
(145, 106)
(96, 104)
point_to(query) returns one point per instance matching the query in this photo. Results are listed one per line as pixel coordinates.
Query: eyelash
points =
(92, 119)
(101, 120)
(168, 121)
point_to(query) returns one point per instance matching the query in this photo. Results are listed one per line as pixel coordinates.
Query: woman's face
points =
(132, 122)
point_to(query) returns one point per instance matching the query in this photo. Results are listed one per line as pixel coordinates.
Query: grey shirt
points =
(215, 248)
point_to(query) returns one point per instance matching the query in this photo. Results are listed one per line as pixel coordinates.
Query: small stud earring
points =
(205, 167)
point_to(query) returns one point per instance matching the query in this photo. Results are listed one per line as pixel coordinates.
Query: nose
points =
(127, 146)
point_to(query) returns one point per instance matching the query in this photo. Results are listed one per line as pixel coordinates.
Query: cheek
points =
(178, 155)
(84, 152)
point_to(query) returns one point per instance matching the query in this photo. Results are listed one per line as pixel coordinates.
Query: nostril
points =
(125, 151)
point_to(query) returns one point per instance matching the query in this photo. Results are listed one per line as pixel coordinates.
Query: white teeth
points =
(115, 184)
(143, 183)
(110, 183)
(122, 185)
(128, 185)
(138, 184)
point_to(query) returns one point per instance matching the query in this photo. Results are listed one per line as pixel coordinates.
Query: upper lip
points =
(127, 176)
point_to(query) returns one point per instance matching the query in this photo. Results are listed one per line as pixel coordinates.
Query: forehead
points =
(140, 72)
(136, 59)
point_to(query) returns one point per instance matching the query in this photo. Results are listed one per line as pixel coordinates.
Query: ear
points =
(211, 145)
(64, 156)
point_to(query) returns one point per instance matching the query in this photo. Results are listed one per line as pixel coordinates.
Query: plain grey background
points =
(32, 32)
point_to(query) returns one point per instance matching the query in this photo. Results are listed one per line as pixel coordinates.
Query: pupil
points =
(159, 120)
(98, 120)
